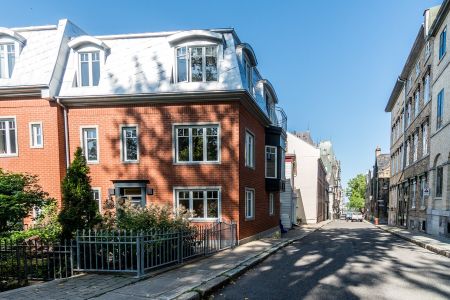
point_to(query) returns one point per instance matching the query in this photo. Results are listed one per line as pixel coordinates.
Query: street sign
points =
(426, 191)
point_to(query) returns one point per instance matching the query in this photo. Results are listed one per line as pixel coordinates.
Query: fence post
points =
(77, 241)
(138, 254)
(220, 235)
(180, 246)
(71, 257)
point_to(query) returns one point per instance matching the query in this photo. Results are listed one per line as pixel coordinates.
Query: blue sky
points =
(332, 63)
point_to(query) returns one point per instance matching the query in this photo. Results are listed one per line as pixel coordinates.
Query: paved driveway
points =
(346, 260)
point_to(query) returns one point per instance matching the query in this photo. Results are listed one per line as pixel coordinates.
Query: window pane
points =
(12, 138)
(183, 144)
(92, 149)
(181, 65)
(183, 200)
(2, 63)
(131, 143)
(197, 144)
(197, 64)
(3, 137)
(211, 64)
(212, 148)
(212, 204)
(11, 59)
(84, 74)
(95, 73)
(197, 204)
(271, 162)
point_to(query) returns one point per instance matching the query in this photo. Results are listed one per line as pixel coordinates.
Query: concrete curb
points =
(429, 247)
(207, 287)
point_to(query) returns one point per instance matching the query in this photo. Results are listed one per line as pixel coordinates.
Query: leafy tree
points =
(19, 194)
(79, 210)
(356, 192)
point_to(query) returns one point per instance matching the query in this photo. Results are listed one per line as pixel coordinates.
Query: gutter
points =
(66, 132)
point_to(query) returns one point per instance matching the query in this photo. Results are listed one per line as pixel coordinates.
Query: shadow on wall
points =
(156, 142)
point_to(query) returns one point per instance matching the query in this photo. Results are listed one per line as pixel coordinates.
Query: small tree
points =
(19, 194)
(79, 210)
(356, 192)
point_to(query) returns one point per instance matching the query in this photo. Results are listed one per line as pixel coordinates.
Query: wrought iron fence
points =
(33, 260)
(142, 251)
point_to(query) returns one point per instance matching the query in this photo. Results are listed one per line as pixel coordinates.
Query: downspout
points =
(66, 132)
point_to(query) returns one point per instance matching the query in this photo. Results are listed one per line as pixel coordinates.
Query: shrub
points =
(19, 194)
(131, 217)
(79, 210)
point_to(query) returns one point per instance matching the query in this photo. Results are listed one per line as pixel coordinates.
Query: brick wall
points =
(46, 162)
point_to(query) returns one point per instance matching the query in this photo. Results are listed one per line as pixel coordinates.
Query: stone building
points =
(379, 188)
(438, 208)
(410, 148)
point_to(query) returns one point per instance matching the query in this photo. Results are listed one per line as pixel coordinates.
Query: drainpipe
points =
(66, 132)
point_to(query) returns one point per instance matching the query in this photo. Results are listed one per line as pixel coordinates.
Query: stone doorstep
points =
(209, 286)
(419, 243)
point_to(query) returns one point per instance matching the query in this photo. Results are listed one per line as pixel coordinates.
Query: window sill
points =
(130, 162)
(423, 208)
(198, 163)
(251, 168)
(36, 147)
(93, 162)
(203, 220)
(9, 155)
(249, 219)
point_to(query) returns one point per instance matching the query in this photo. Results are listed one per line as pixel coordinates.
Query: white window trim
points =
(188, 62)
(122, 150)
(271, 204)
(17, 49)
(249, 67)
(276, 161)
(82, 143)
(30, 125)
(7, 140)
(252, 164)
(99, 190)
(176, 189)
(248, 217)
(175, 160)
(77, 63)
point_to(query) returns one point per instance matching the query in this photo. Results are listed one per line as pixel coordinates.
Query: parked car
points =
(357, 216)
(348, 216)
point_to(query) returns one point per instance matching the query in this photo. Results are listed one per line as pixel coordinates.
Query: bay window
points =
(8, 137)
(197, 143)
(203, 203)
(271, 162)
(196, 64)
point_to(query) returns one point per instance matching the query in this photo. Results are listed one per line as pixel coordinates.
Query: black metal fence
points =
(110, 252)
(142, 251)
(21, 262)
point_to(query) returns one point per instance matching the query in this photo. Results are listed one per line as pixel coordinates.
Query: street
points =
(345, 260)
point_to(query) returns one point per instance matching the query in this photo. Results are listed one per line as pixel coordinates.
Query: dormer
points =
(11, 44)
(248, 61)
(270, 98)
(196, 55)
(89, 58)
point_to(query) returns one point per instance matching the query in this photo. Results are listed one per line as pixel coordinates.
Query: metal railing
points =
(34, 260)
(281, 118)
(140, 252)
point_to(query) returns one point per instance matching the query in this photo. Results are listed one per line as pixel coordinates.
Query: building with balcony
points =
(179, 118)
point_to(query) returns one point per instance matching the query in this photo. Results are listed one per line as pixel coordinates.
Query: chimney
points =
(377, 151)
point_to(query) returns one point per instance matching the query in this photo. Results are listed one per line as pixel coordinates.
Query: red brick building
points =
(177, 118)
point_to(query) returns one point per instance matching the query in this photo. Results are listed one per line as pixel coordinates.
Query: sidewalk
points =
(439, 245)
(189, 281)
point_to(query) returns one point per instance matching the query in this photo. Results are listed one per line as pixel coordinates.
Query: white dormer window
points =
(196, 64)
(248, 74)
(89, 68)
(7, 59)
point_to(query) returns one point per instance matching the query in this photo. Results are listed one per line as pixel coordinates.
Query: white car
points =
(356, 216)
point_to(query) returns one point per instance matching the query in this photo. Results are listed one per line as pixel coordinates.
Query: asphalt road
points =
(345, 260)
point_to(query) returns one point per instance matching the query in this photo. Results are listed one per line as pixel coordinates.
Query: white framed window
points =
(133, 194)
(416, 103)
(89, 68)
(427, 49)
(271, 204)
(271, 162)
(408, 112)
(249, 149)
(426, 89)
(129, 143)
(425, 139)
(36, 135)
(407, 153)
(97, 196)
(417, 68)
(423, 185)
(89, 143)
(248, 69)
(416, 146)
(249, 203)
(197, 143)
(8, 137)
(7, 59)
(196, 63)
(203, 202)
(413, 194)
